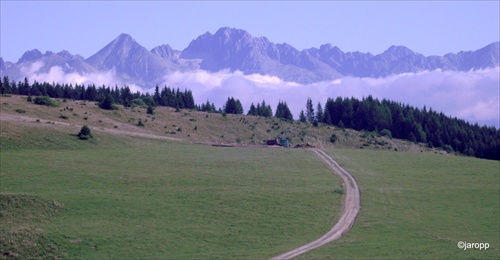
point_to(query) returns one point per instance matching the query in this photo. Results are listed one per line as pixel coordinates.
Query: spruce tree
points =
(107, 102)
(309, 110)
(302, 116)
(282, 111)
(319, 113)
(252, 111)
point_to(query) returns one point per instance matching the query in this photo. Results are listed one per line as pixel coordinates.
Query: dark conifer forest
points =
(413, 124)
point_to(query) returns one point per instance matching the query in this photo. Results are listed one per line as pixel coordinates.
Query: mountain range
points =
(237, 50)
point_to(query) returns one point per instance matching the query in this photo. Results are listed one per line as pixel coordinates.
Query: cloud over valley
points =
(472, 95)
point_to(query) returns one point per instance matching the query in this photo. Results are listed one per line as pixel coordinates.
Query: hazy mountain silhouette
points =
(237, 50)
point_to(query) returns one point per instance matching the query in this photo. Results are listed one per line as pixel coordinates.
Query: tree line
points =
(106, 95)
(406, 122)
(233, 106)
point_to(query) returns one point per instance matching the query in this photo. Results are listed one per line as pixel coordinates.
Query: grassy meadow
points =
(119, 196)
(419, 206)
(162, 199)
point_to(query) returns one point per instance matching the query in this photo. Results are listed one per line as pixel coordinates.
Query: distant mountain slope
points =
(165, 51)
(131, 61)
(237, 50)
(34, 61)
(2, 66)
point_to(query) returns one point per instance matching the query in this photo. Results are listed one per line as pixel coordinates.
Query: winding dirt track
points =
(351, 209)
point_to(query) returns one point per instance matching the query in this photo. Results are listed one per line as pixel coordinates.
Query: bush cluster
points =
(44, 101)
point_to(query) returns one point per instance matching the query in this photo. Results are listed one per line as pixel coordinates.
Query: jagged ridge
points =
(236, 49)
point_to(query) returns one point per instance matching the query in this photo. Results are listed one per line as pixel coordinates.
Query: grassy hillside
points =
(21, 217)
(190, 126)
(417, 205)
(165, 199)
(161, 191)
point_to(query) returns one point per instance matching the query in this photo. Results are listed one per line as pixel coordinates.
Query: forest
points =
(406, 122)
(389, 118)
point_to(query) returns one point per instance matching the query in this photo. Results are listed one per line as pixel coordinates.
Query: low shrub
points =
(448, 148)
(45, 101)
(386, 132)
(150, 110)
(138, 102)
(333, 138)
(339, 191)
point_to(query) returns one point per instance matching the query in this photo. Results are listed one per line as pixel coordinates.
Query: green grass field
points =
(117, 196)
(163, 199)
(417, 205)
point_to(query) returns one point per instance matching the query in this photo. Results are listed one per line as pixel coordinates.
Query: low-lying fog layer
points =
(473, 95)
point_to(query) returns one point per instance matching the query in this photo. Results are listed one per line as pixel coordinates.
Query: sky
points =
(84, 27)
(426, 27)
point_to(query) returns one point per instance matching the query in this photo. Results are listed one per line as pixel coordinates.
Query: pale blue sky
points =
(84, 27)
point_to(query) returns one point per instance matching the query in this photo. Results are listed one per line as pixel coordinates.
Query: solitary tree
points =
(85, 133)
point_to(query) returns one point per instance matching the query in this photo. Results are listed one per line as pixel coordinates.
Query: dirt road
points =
(351, 208)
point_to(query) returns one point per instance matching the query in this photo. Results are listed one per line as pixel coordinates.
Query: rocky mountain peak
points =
(65, 54)
(124, 38)
(117, 51)
(165, 51)
(232, 33)
(30, 56)
(398, 51)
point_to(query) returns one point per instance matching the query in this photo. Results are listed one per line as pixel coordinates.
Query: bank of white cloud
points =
(472, 95)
